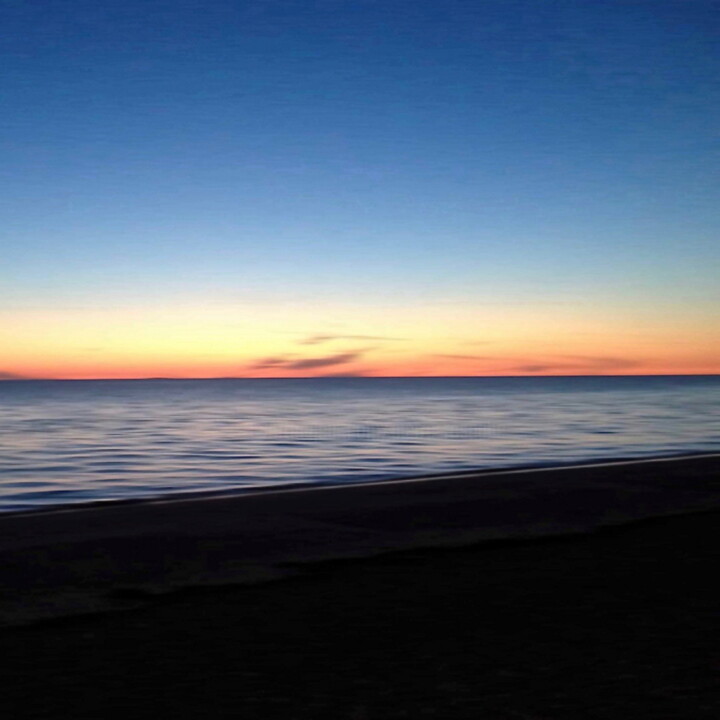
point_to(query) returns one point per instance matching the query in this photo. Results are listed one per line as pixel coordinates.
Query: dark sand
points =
(617, 620)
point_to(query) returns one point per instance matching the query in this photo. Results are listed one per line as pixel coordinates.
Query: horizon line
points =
(349, 377)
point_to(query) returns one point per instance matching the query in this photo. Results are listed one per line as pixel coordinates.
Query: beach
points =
(542, 594)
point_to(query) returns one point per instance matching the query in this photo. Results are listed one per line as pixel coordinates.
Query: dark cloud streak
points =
(269, 362)
(328, 360)
(594, 364)
(289, 362)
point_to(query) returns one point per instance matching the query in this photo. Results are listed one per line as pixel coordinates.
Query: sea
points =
(65, 442)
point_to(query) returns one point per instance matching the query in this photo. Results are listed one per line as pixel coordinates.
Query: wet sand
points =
(89, 559)
(539, 596)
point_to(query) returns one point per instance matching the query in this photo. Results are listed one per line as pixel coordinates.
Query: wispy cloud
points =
(290, 362)
(535, 368)
(464, 357)
(326, 361)
(269, 362)
(603, 361)
(592, 364)
(319, 338)
(12, 376)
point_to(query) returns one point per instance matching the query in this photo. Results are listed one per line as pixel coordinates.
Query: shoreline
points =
(112, 556)
(301, 486)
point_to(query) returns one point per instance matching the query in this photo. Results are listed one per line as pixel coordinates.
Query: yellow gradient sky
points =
(257, 341)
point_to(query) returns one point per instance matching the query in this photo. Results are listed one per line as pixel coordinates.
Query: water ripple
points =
(72, 442)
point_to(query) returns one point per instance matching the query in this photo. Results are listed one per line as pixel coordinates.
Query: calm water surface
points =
(70, 441)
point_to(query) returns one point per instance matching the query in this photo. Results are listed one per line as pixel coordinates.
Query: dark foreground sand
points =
(614, 621)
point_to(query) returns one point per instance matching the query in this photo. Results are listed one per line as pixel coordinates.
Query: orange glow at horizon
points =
(376, 364)
(283, 341)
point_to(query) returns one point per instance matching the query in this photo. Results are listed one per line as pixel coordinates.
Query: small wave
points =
(48, 469)
(133, 440)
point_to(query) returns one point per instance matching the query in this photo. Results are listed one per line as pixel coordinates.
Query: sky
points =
(289, 188)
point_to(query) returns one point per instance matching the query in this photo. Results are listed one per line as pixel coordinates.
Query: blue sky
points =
(400, 151)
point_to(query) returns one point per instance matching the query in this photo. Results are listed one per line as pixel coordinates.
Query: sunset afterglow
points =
(358, 188)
